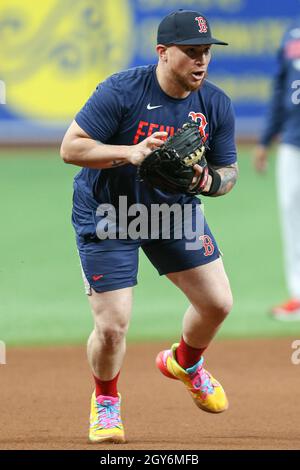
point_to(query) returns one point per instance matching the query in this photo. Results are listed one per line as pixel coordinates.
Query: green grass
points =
(41, 293)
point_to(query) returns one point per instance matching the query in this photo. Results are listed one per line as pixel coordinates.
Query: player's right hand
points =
(137, 153)
(260, 159)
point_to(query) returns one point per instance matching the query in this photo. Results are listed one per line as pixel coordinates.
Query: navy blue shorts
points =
(113, 264)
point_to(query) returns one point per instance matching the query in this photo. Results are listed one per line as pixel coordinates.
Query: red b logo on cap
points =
(202, 24)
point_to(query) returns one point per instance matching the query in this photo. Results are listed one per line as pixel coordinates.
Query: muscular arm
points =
(78, 148)
(228, 175)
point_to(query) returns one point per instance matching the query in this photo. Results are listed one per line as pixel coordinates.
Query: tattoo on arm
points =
(229, 176)
(116, 163)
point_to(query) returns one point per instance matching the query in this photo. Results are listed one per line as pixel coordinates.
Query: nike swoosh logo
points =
(96, 278)
(153, 107)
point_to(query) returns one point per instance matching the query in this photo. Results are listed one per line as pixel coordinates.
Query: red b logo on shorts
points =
(207, 245)
(202, 24)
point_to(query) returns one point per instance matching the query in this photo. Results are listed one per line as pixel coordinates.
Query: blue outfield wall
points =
(53, 54)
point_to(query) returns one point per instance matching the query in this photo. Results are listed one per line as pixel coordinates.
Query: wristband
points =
(215, 182)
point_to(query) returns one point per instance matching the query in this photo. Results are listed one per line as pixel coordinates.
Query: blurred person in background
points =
(283, 120)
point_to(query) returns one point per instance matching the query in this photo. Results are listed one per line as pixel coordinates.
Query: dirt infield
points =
(45, 397)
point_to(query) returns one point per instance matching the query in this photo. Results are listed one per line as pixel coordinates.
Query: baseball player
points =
(283, 119)
(129, 115)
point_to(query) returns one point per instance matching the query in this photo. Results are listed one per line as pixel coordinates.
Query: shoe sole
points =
(206, 409)
(109, 439)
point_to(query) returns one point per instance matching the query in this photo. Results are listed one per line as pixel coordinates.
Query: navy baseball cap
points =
(186, 27)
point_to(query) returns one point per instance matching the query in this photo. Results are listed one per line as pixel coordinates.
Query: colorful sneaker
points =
(206, 392)
(105, 420)
(289, 310)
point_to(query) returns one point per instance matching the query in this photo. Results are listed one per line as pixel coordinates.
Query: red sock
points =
(187, 356)
(107, 387)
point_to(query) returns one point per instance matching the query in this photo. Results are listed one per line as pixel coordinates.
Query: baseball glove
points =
(170, 167)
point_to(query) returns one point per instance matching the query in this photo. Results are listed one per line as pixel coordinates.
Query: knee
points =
(110, 334)
(219, 308)
(222, 307)
(111, 314)
(221, 311)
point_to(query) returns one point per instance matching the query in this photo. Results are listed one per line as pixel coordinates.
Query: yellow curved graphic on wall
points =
(53, 53)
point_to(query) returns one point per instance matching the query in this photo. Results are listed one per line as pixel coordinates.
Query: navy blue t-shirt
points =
(128, 107)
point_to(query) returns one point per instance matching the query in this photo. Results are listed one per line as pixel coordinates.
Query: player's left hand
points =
(179, 165)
